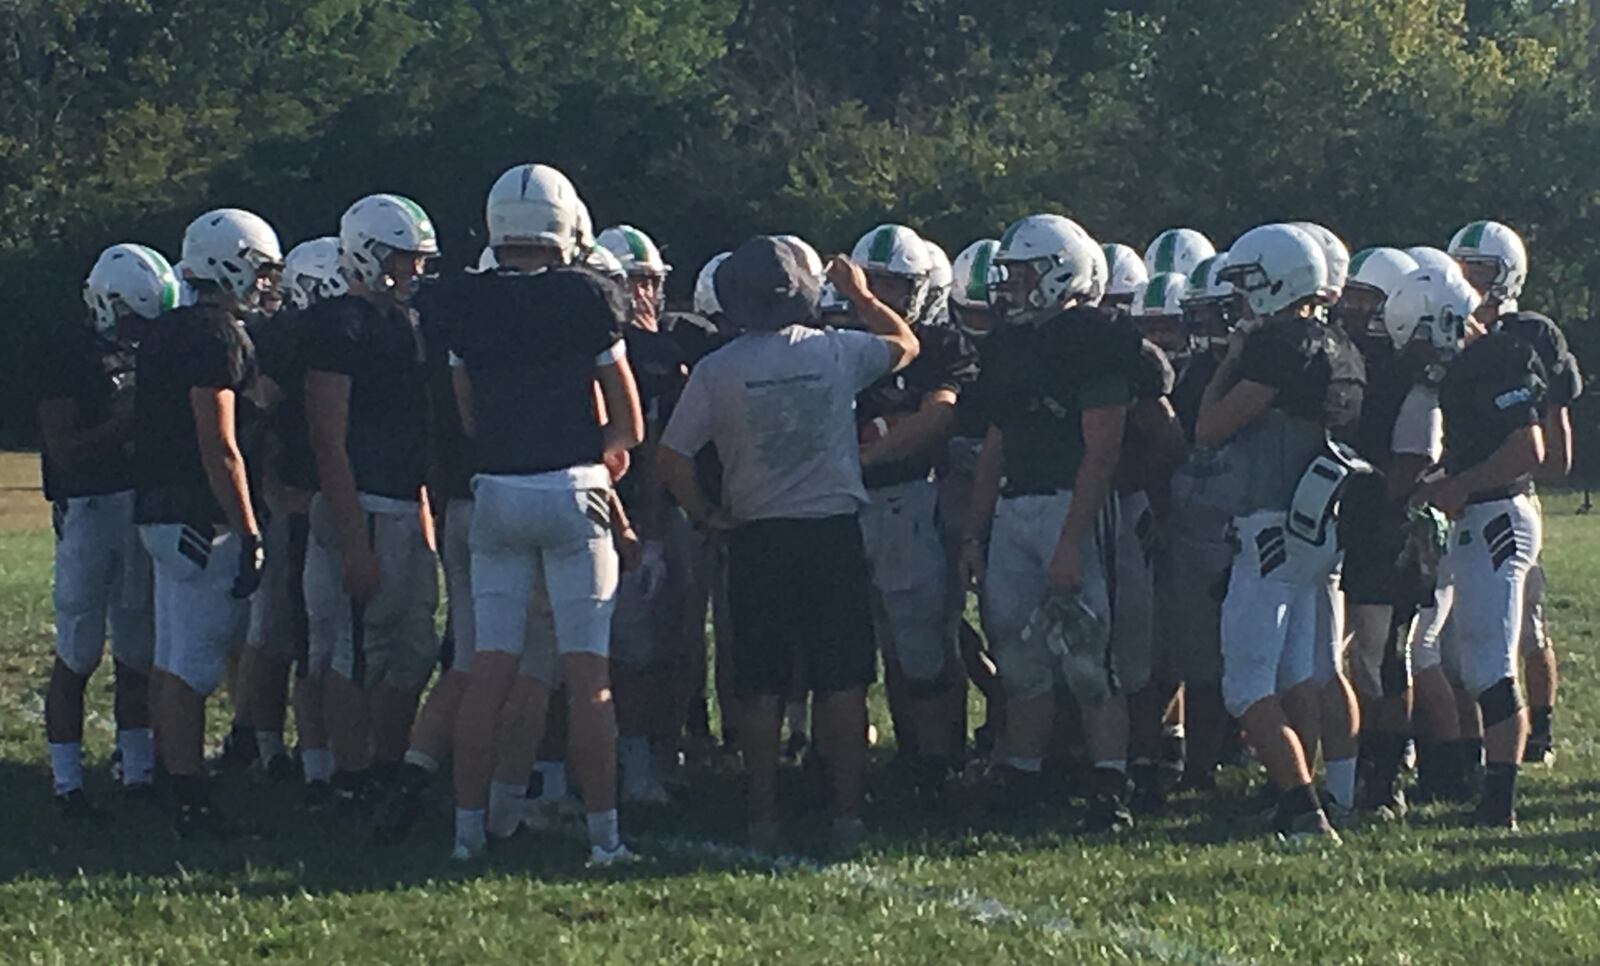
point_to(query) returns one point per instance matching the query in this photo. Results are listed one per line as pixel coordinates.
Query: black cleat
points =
(238, 752)
(1488, 817)
(1540, 750)
(1108, 803)
(1149, 792)
(75, 806)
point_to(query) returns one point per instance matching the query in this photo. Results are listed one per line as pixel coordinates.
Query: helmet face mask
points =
(903, 293)
(1360, 309)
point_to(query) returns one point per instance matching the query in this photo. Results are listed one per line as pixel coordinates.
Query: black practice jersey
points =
(1189, 388)
(530, 344)
(660, 370)
(382, 354)
(97, 375)
(1037, 381)
(1494, 388)
(450, 465)
(281, 353)
(946, 362)
(1564, 381)
(197, 347)
(1319, 375)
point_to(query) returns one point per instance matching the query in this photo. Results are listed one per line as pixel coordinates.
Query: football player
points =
(542, 337)
(1056, 387)
(193, 500)
(1493, 401)
(371, 567)
(1273, 401)
(1495, 261)
(102, 574)
(904, 421)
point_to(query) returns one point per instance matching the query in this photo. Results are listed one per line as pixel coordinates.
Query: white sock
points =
(553, 780)
(1341, 778)
(422, 760)
(469, 828)
(633, 757)
(1025, 763)
(138, 748)
(604, 830)
(1173, 731)
(269, 745)
(318, 764)
(1114, 764)
(66, 765)
(507, 805)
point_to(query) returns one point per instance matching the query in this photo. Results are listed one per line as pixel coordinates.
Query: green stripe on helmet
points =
(1166, 250)
(978, 283)
(170, 289)
(636, 245)
(1011, 234)
(1473, 236)
(1200, 277)
(1155, 294)
(882, 247)
(424, 223)
(1359, 259)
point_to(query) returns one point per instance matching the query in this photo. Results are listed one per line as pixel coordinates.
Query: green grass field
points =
(1202, 885)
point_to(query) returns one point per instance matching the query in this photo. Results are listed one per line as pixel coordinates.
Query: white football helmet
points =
(374, 228)
(1068, 263)
(1492, 243)
(808, 255)
(600, 259)
(1431, 306)
(129, 278)
(534, 204)
(1274, 267)
(1210, 305)
(706, 302)
(1205, 281)
(1160, 294)
(1335, 254)
(898, 251)
(635, 250)
(970, 274)
(232, 248)
(1380, 269)
(585, 228)
(940, 280)
(311, 272)
(1429, 257)
(1177, 250)
(1125, 271)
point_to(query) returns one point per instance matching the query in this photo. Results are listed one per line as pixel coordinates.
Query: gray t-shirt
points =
(780, 408)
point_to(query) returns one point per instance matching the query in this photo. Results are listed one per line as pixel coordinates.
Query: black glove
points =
(251, 559)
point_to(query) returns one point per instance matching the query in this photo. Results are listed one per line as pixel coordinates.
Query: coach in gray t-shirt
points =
(778, 403)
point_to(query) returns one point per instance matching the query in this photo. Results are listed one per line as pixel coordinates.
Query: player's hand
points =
(848, 278)
(361, 573)
(972, 564)
(252, 557)
(1446, 493)
(1066, 567)
(617, 464)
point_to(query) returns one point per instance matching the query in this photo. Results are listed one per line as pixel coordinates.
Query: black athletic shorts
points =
(799, 589)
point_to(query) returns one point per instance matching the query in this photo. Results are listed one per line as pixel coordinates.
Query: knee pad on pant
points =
(1500, 702)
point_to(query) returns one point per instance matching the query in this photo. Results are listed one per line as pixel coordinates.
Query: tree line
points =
(703, 121)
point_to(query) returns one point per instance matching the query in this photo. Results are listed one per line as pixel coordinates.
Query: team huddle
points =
(1162, 512)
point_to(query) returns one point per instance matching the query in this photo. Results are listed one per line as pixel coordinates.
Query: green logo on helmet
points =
(1473, 236)
(1166, 250)
(978, 284)
(882, 247)
(636, 246)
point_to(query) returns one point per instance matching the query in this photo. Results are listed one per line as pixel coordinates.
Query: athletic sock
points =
(1499, 790)
(269, 745)
(1341, 778)
(138, 749)
(470, 830)
(1539, 721)
(66, 766)
(604, 830)
(318, 764)
(507, 804)
(552, 780)
(422, 760)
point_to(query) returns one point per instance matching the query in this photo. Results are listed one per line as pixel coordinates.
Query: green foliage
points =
(705, 120)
